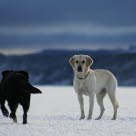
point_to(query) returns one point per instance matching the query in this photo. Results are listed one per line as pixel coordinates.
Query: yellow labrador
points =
(90, 82)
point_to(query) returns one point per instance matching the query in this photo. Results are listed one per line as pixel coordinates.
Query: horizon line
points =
(20, 52)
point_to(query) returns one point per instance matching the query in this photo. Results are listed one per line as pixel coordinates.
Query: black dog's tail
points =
(32, 89)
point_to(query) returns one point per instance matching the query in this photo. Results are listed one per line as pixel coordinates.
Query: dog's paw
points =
(15, 120)
(24, 122)
(89, 118)
(98, 118)
(5, 112)
(113, 119)
(82, 117)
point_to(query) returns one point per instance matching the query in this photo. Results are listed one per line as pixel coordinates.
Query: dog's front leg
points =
(91, 104)
(3, 108)
(81, 102)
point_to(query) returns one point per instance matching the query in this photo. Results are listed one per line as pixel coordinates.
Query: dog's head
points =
(81, 63)
(22, 76)
(21, 73)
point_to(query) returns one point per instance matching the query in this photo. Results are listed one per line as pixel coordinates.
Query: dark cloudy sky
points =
(31, 25)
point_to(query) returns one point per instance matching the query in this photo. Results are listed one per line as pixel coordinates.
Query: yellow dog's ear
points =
(89, 61)
(71, 61)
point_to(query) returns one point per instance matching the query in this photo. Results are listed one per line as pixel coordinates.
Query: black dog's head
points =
(9, 72)
(23, 76)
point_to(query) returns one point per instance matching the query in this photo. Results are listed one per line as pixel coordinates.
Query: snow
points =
(56, 112)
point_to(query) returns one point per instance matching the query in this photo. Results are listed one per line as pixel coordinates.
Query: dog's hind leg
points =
(111, 90)
(100, 96)
(13, 107)
(25, 104)
(25, 113)
(114, 103)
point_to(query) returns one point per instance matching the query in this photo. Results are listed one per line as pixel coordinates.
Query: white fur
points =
(91, 83)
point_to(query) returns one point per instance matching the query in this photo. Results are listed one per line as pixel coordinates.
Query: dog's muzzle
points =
(79, 69)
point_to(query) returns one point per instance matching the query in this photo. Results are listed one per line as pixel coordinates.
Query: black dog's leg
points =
(25, 116)
(3, 108)
(25, 104)
(25, 108)
(13, 107)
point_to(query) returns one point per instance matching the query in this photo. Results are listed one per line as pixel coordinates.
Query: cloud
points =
(74, 29)
(13, 50)
(18, 51)
(102, 12)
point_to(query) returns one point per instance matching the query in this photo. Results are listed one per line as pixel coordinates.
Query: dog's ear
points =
(5, 73)
(24, 73)
(31, 88)
(89, 61)
(35, 90)
(72, 61)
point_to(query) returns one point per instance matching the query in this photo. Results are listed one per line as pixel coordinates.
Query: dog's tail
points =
(32, 89)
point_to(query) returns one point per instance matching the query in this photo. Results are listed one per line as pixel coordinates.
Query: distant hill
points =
(51, 67)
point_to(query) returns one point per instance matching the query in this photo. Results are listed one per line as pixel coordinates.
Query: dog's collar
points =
(80, 78)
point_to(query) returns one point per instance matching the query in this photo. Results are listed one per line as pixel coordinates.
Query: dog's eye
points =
(83, 61)
(76, 62)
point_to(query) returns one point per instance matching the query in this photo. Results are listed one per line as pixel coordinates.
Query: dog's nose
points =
(79, 69)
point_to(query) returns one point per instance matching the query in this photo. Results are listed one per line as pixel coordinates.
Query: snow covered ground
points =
(56, 112)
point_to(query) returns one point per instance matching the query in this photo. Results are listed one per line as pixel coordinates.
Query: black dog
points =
(16, 89)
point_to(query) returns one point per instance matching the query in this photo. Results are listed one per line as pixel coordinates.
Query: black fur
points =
(16, 89)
